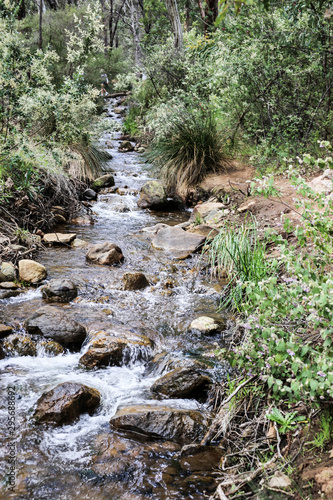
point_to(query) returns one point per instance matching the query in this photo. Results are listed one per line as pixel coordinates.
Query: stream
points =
(87, 460)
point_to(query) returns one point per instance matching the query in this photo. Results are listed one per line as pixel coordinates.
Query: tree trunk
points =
(172, 9)
(105, 29)
(40, 41)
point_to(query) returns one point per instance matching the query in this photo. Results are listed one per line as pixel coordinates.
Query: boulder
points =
(59, 238)
(183, 383)
(126, 147)
(17, 344)
(7, 272)
(106, 180)
(107, 254)
(59, 290)
(31, 271)
(153, 195)
(65, 403)
(200, 212)
(166, 362)
(160, 422)
(115, 348)
(9, 285)
(5, 330)
(89, 194)
(205, 324)
(177, 241)
(52, 348)
(55, 324)
(135, 281)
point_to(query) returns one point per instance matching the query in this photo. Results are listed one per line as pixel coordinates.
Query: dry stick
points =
(220, 414)
(220, 493)
(278, 440)
(244, 478)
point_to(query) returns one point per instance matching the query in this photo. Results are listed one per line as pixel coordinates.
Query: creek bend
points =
(87, 459)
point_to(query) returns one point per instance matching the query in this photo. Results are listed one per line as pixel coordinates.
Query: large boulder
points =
(59, 290)
(153, 195)
(160, 422)
(7, 272)
(65, 403)
(107, 254)
(183, 383)
(20, 345)
(135, 281)
(31, 271)
(55, 324)
(115, 348)
(59, 238)
(106, 180)
(177, 241)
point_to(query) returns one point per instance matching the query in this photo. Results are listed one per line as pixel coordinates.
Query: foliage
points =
(287, 422)
(191, 148)
(325, 433)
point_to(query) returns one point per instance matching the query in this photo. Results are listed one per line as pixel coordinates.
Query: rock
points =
(53, 323)
(183, 383)
(59, 238)
(52, 348)
(200, 212)
(59, 290)
(89, 194)
(107, 254)
(5, 330)
(153, 195)
(324, 479)
(7, 272)
(121, 207)
(166, 362)
(126, 147)
(2, 353)
(82, 221)
(135, 281)
(160, 422)
(152, 230)
(20, 345)
(7, 294)
(177, 241)
(31, 271)
(205, 230)
(205, 325)
(247, 205)
(280, 481)
(65, 403)
(106, 180)
(198, 458)
(115, 348)
(322, 183)
(77, 243)
(9, 285)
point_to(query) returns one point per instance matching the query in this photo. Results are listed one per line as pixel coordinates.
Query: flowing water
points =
(86, 460)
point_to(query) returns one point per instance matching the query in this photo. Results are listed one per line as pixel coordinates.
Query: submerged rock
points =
(104, 181)
(77, 243)
(106, 253)
(177, 241)
(59, 290)
(153, 195)
(126, 147)
(31, 271)
(59, 238)
(65, 403)
(183, 383)
(55, 324)
(160, 422)
(18, 344)
(7, 272)
(135, 281)
(109, 348)
(52, 348)
(205, 324)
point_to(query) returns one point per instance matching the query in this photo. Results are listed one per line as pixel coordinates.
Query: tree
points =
(172, 9)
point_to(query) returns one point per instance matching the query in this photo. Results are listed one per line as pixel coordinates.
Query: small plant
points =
(287, 422)
(326, 431)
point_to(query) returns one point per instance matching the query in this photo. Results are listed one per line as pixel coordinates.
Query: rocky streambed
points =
(108, 366)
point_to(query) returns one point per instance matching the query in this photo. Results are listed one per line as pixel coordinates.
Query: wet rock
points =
(65, 403)
(7, 294)
(160, 422)
(200, 212)
(59, 238)
(18, 344)
(121, 207)
(166, 362)
(115, 348)
(196, 457)
(31, 271)
(7, 272)
(177, 241)
(204, 230)
(183, 383)
(9, 285)
(107, 254)
(77, 243)
(205, 324)
(82, 221)
(153, 230)
(55, 324)
(59, 290)
(89, 194)
(5, 330)
(52, 348)
(104, 181)
(126, 147)
(153, 195)
(2, 353)
(135, 281)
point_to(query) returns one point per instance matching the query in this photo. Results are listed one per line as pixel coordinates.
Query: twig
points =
(278, 440)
